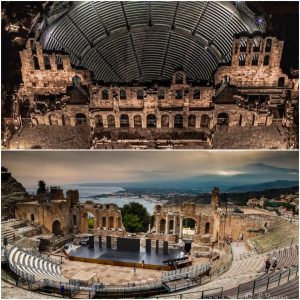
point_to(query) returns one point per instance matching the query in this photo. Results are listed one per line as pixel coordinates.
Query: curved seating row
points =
(170, 33)
(39, 268)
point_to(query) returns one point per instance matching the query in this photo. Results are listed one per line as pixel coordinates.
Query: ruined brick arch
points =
(83, 218)
(165, 121)
(179, 77)
(56, 227)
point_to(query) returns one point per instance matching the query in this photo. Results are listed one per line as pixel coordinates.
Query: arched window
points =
(256, 44)
(124, 121)
(161, 94)
(223, 119)
(105, 95)
(207, 225)
(151, 121)
(59, 62)
(36, 63)
(281, 82)
(254, 60)
(140, 94)
(266, 60)
(178, 121)
(178, 94)
(122, 94)
(268, 46)
(179, 78)
(204, 122)
(103, 222)
(192, 121)
(242, 60)
(32, 217)
(47, 62)
(196, 94)
(80, 118)
(98, 121)
(243, 45)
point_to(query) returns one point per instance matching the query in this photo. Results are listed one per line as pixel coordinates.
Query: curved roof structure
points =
(125, 41)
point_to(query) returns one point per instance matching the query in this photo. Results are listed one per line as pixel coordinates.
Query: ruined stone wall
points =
(262, 74)
(236, 224)
(238, 116)
(106, 217)
(44, 79)
(45, 214)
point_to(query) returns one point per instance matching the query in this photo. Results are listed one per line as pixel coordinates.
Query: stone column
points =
(158, 121)
(167, 225)
(180, 226)
(157, 224)
(174, 224)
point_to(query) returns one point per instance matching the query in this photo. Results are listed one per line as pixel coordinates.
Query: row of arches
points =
(187, 223)
(256, 44)
(151, 121)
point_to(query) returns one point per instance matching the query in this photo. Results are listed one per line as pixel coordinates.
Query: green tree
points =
(137, 209)
(42, 187)
(132, 223)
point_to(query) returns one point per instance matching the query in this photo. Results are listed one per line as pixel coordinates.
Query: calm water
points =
(89, 192)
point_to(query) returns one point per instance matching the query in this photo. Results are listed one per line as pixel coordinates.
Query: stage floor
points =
(104, 254)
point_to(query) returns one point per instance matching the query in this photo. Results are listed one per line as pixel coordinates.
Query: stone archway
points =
(56, 228)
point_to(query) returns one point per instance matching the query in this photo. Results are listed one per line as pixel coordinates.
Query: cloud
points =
(67, 167)
(229, 173)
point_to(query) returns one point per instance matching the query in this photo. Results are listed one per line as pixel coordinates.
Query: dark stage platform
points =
(117, 257)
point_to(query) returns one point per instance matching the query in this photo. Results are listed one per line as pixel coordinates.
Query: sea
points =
(92, 192)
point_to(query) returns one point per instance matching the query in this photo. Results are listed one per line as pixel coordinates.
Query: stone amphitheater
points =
(36, 262)
(189, 70)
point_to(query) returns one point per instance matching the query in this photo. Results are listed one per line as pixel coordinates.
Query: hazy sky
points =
(64, 167)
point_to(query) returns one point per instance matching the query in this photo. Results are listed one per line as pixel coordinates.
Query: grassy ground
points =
(282, 235)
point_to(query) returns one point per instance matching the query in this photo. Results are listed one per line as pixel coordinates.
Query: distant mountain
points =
(244, 178)
(263, 186)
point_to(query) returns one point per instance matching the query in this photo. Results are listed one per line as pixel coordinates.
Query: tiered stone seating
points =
(286, 257)
(38, 267)
(157, 37)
